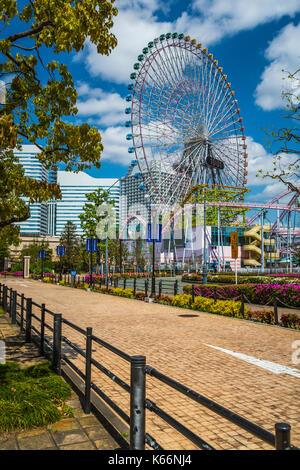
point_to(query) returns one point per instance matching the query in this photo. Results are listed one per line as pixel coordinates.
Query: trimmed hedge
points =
(241, 279)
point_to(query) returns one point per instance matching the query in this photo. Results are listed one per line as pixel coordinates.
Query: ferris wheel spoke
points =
(221, 113)
(229, 166)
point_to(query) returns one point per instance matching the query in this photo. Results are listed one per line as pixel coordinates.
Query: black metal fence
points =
(51, 340)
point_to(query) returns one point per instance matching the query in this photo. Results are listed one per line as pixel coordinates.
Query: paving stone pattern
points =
(179, 347)
(80, 432)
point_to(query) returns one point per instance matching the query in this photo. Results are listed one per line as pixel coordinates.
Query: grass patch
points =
(2, 311)
(31, 397)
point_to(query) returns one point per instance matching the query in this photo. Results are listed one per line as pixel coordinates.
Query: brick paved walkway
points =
(180, 347)
(80, 432)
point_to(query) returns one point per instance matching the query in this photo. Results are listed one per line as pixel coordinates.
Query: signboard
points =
(73, 273)
(234, 244)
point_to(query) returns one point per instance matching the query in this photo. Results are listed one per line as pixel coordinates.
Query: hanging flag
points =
(95, 243)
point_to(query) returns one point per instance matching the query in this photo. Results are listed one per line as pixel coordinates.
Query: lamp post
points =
(92, 233)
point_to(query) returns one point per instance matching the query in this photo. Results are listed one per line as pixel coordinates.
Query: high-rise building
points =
(74, 187)
(37, 224)
(136, 199)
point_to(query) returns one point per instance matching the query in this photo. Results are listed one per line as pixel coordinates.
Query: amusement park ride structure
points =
(185, 121)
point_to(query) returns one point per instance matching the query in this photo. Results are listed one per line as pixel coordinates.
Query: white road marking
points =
(268, 365)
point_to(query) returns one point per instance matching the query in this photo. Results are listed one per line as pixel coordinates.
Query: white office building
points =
(74, 187)
(37, 224)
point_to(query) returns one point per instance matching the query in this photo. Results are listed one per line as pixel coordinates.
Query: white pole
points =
(235, 270)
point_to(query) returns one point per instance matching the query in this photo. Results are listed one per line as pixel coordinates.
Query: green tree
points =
(40, 97)
(284, 142)
(71, 241)
(90, 217)
(32, 249)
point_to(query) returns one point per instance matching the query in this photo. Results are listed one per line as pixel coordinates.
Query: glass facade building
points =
(74, 187)
(37, 224)
(50, 218)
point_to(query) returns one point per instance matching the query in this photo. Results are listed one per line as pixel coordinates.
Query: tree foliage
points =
(40, 97)
(90, 217)
(71, 241)
(284, 142)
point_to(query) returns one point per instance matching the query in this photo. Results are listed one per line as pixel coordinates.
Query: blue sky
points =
(252, 40)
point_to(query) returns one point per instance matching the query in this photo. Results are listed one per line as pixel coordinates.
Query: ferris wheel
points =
(186, 128)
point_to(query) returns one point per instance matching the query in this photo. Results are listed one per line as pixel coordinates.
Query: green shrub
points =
(31, 397)
(123, 292)
(182, 300)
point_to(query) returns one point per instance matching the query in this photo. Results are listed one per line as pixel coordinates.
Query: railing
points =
(21, 313)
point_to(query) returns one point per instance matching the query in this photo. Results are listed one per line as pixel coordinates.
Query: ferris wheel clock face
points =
(185, 123)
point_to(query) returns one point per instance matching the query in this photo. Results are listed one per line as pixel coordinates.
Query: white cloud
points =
(260, 159)
(136, 25)
(133, 31)
(106, 109)
(284, 54)
(116, 145)
(232, 16)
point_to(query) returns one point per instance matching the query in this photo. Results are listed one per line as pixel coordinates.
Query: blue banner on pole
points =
(42, 254)
(149, 232)
(60, 250)
(158, 233)
(95, 244)
(88, 244)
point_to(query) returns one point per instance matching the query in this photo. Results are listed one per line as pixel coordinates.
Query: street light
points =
(92, 233)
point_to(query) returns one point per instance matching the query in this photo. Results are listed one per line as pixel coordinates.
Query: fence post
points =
(88, 364)
(22, 312)
(242, 303)
(275, 310)
(137, 402)
(193, 293)
(134, 287)
(10, 301)
(124, 283)
(56, 360)
(14, 307)
(28, 320)
(42, 329)
(282, 436)
(4, 302)
(160, 288)
(176, 287)
(146, 288)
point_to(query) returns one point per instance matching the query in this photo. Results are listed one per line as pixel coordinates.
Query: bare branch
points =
(30, 32)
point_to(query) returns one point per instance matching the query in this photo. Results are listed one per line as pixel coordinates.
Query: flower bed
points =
(260, 294)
